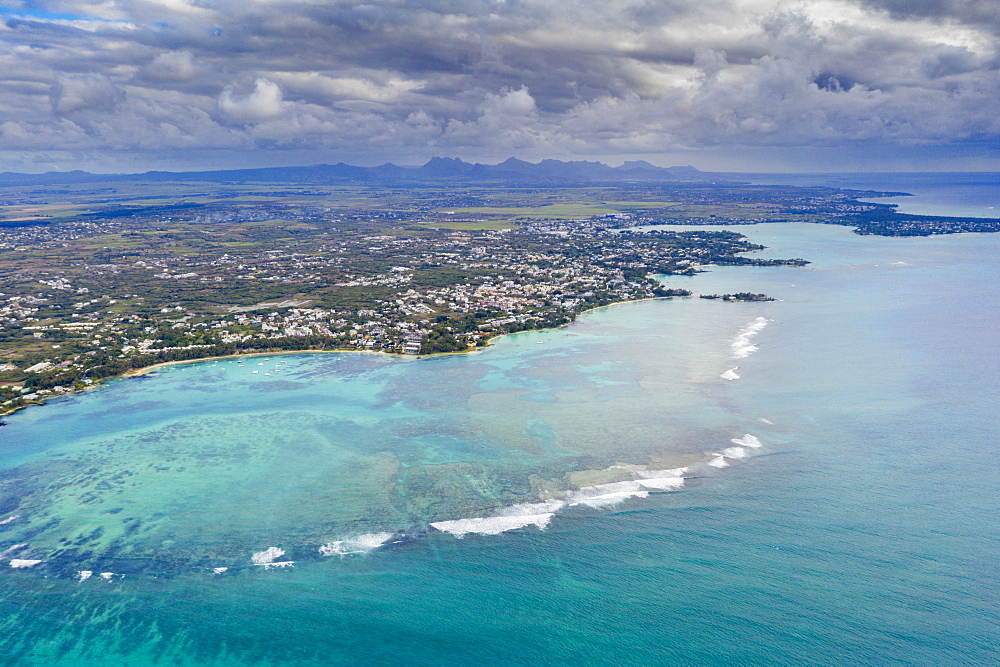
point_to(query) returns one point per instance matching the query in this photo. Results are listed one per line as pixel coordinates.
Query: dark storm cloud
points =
(973, 12)
(397, 80)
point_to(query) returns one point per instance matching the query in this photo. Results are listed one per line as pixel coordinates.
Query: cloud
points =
(85, 92)
(392, 80)
(508, 120)
(263, 103)
(974, 12)
(171, 66)
(321, 88)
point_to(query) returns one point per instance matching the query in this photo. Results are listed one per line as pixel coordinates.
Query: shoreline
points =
(139, 372)
(145, 370)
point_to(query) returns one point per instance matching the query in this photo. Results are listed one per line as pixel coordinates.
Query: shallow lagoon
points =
(863, 530)
(201, 465)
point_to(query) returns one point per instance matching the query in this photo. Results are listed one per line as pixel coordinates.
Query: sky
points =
(724, 85)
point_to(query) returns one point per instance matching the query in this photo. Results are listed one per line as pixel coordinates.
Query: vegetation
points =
(738, 296)
(99, 279)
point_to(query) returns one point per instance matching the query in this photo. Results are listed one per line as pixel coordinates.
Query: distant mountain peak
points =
(437, 168)
(632, 165)
(445, 166)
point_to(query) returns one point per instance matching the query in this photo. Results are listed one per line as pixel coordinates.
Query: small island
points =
(738, 296)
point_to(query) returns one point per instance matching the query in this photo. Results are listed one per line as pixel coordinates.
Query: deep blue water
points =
(974, 194)
(864, 530)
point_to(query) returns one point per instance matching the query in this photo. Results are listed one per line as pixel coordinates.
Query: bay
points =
(863, 530)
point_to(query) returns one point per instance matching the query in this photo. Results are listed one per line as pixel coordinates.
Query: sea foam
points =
(491, 525)
(603, 495)
(19, 563)
(654, 474)
(267, 556)
(741, 345)
(355, 545)
(9, 519)
(663, 483)
(747, 441)
(539, 514)
(718, 462)
(731, 374)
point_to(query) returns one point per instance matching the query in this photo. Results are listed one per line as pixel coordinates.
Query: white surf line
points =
(355, 545)
(539, 514)
(741, 345)
(600, 495)
(718, 462)
(741, 452)
(747, 441)
(509, 518)
(267, 558)
(492, 525)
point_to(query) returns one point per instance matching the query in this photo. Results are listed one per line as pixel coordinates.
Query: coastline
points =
(145, 370)
(138, 372)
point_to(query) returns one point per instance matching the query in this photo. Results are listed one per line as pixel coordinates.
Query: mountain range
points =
(437, 169)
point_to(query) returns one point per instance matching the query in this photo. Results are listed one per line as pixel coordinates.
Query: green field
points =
(479, 226)
(642, 204)
(566, 211)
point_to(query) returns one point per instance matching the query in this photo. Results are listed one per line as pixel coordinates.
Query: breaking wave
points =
(741, 345)
(539, 514)
(747, 441)
(266, 558)
(492, 525)
(355, 545)
(730, 374)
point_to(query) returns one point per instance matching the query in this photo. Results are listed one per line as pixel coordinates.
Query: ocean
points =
(963, 194)
(809, 481)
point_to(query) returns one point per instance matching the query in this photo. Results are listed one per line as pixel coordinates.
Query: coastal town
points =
(101, 281)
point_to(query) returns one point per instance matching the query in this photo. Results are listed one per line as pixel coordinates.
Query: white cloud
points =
(265, 102)
(173, 66)
(326, 89)
(539, 78)
(85, 92)
(509, 119)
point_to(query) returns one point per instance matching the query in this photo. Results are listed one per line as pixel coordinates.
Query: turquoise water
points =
(862, 530)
